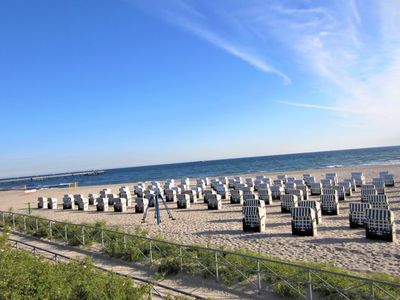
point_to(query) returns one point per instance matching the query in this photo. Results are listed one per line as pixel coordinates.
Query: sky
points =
(88, 84)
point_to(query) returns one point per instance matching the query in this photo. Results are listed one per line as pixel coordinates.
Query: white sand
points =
(336, 243)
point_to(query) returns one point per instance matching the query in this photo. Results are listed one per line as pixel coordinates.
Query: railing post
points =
(180, 257)
(216, 265)
(24, 217)
(83, 235)
(150, 252)
(37, 225)
(372, 288)
(310, 292)
(124, 240)
(259, 274)
(66, 234)
(13, 221)
(102, 239)
(4, 221)
(50, 231)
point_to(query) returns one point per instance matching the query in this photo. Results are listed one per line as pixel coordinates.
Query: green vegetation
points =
(169, 258)
(25, 276)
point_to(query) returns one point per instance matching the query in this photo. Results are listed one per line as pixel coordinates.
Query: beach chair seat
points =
(42, 202)
(316, 189)
(93, 199)
(348, 190)
(330, 204)
(214, 202)
(357, 214)
(352, 182)
(52, 203)
(119, 205)
(266, 195)
(290, 185)
(297, 192)
(340, 192)
(304, 188)
(380, 186)
(236, 197)
(316, 206)
(288, 201)
(68, 202)
(249, 195)
(141, 205)
(277, 191)
(183, 201)
(254, 202)
(333, 177)
(380, 224)
(304, 222)
(388, 179)
(102, 204)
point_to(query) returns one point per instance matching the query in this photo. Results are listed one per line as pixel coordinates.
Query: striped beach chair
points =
(359, 178)
(68, 202)
(316, 206)
(366, 190)
(288, 201)
(340, 192)
(304, 222)
(265, 195)
(297, 192)
(42, 202)
(378, 201)
(253, 218)
(380, 186)
(119, 204)
(214, 202)
(102, 204)
(304, 188)
(52, 203)
(183, 201)
(141, 205)
(329, 204)
(380, 224)
(357, 214)
(93, 199)
(236, 197)
(316, 189)
(352, 182)
(347, 188)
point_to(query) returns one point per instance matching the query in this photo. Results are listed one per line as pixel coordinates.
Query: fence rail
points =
(253, 272)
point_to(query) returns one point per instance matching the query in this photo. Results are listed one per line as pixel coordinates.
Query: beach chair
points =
(253, 218)
(299, 182)
(380, 224)
(249, 182)
(326, 183)
(330, 191)
(340, 192)
(42, 202)
(223, 191)
(308, 179)
(170, 195)
(380, 185)
(366, 190)
(119, 205)
(105, 192)
(357, 214)
(329, 204)
(52, 203)
(290, 179)
(283, 178)
(388, 179)
(192, 195)
(316, 189)
(316, 206)
(378, 201)
(206, 195)
(141, 205)
(102, 204)
(289, 185)
(238, 179)
(265, 195)
(304, 188)
(183, 201)
(214, 201)
(83, 203)
(304, 222)
(68, 202)
(277, 191)
(358, 178)
(111, 198)
(347, 188)
(236, 197)
(249, 195)
(150, 195)
(333, 177)
(298, 193)
(93, 199)
(288, 201)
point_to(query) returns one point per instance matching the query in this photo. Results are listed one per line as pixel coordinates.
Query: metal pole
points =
(216, 265)
(259, 274)
(102, 239)
(51, 231)
(124, 239)
(83, 235)
(66, 234)
(29, 208)
(372, 287)
(4, 221)
(310, 292)
(24, 218)
(37, 225)
(13, 221)
(151, 252)
(180, 257)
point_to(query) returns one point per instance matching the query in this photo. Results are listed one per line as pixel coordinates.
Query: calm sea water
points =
(275, 163)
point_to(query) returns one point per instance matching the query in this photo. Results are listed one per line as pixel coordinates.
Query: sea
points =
(246, 165)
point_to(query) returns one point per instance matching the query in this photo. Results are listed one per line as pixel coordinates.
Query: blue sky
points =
(100, 84)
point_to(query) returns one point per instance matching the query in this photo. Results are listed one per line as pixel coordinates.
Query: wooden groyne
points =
(43, 177)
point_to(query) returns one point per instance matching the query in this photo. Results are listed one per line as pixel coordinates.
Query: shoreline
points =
(335, 242)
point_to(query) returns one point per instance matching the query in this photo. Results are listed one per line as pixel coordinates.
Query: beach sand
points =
(336, 243)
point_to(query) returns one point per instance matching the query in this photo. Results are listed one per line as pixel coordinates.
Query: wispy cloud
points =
(316, 106)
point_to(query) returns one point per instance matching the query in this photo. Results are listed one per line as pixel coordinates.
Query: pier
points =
(43, 177)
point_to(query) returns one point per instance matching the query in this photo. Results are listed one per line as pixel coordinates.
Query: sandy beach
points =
(336, 243)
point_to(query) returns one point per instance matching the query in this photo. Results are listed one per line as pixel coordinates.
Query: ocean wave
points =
(334, 166)
(382, 163)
